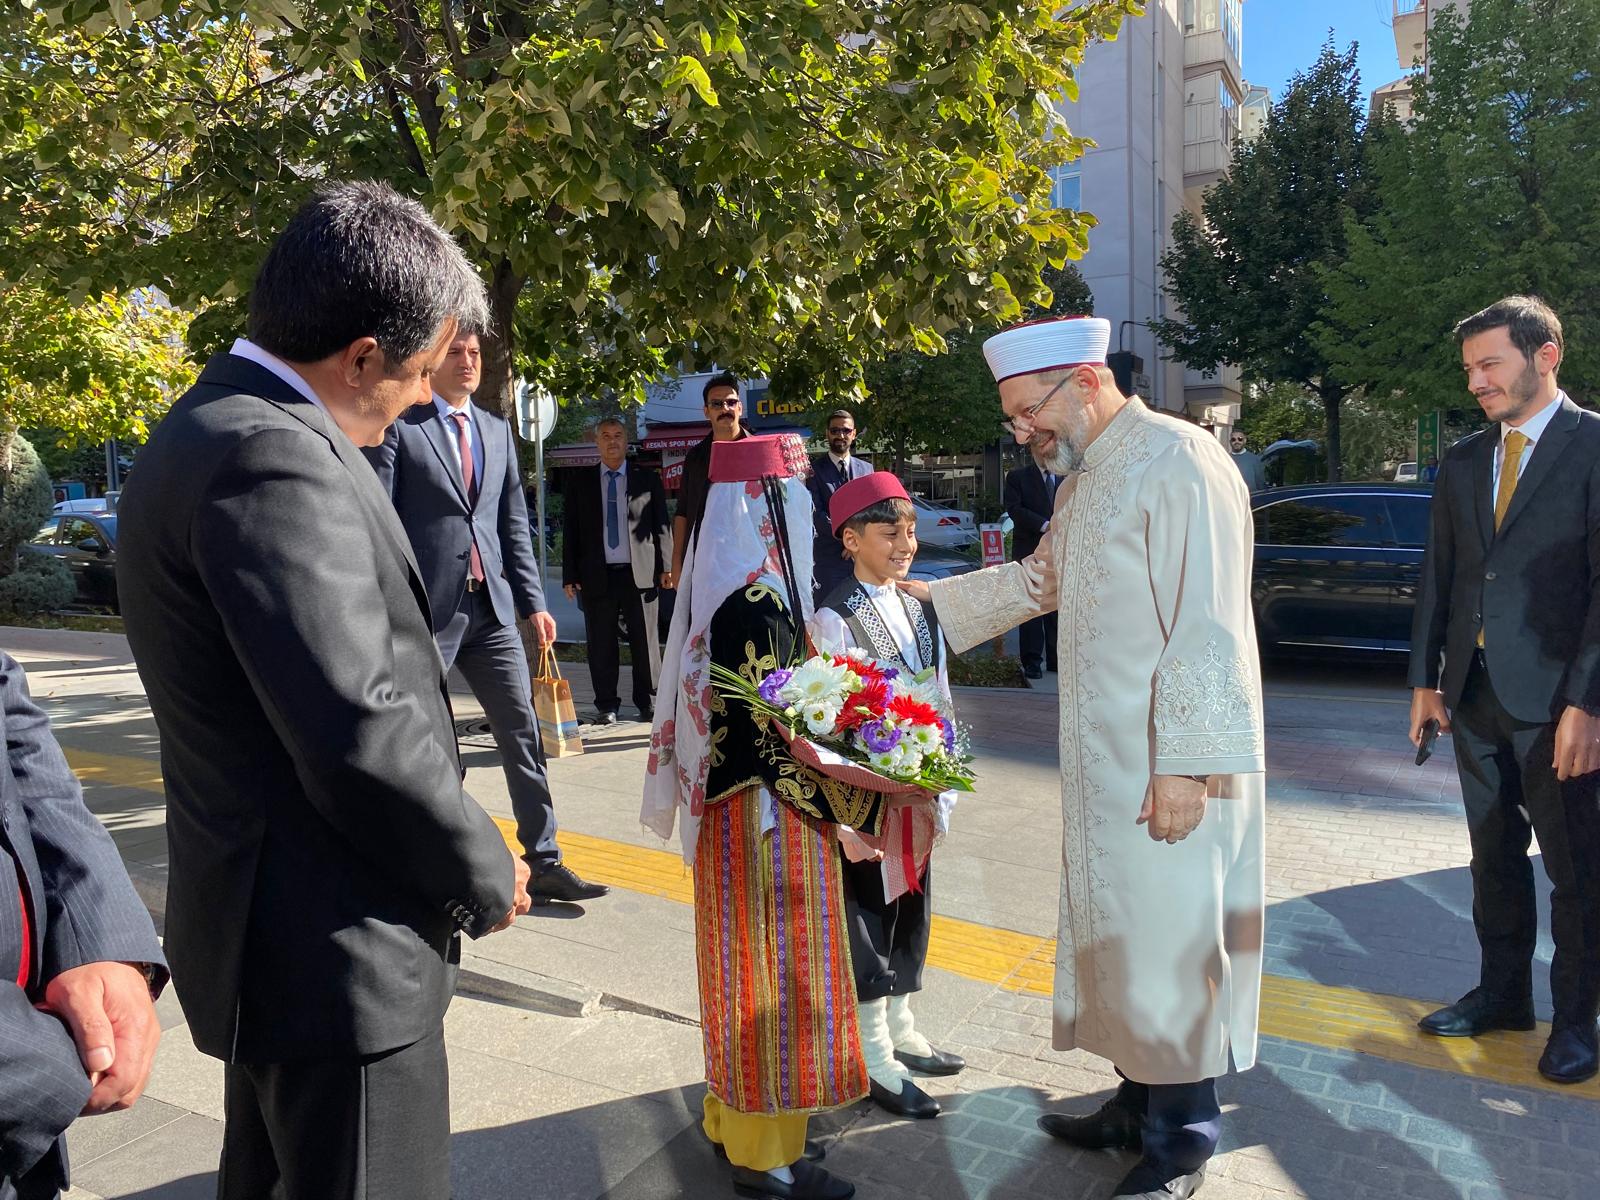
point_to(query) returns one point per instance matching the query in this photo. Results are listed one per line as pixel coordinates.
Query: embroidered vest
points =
(870, 632)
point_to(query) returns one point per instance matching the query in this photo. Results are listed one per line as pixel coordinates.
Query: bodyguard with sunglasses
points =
(830, 472)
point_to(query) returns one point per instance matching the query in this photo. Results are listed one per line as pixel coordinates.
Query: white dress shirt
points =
(842, 463)
(1532, 429)
(618, 555)
(833, 633)
(474, 442)
(246, 349)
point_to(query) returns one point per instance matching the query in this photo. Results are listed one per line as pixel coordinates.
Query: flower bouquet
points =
(859, 721)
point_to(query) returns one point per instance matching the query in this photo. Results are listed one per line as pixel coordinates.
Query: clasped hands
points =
(107, 1008)
(1577, 741)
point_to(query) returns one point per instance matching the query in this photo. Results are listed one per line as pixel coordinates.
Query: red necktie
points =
(470, 482)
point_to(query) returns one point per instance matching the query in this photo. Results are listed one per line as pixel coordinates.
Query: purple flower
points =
(950, 735)
(772, 685)
(890, 672)
(878, 739)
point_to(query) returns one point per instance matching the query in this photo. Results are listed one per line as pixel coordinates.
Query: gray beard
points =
(1066, 459)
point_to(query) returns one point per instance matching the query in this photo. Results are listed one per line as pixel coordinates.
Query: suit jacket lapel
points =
(439, 438)
(491, 450)
(1554, 442)
(1483, 484)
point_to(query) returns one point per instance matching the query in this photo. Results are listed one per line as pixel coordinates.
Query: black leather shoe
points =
(647, 715)
(912, 1101)
(937, 1063)
(811, 1182)
(559, 883)
(1152, 1181)
(1570, 1056)
(604, 718)
(1110, 1127)
(815, 1151)
(1033, 672)
(1478, 1012)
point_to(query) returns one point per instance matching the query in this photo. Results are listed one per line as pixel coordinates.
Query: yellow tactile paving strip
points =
(1334, 1018)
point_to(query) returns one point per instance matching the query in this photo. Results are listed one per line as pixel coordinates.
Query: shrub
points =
(25, 496)
(39, 584)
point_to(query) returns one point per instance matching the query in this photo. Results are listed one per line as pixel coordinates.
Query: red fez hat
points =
(863, 493)
(748, 459)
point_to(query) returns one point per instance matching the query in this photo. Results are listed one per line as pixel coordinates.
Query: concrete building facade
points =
(1162, 103)
(1413, 20)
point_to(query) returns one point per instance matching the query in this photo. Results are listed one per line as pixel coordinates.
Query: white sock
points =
(782, 1174)
(903, 1029)
(877, 1047)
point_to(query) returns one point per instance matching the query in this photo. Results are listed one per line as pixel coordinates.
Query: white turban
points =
(1047, 345)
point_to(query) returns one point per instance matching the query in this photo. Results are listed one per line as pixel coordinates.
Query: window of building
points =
(1067, 187)
(1233, 27)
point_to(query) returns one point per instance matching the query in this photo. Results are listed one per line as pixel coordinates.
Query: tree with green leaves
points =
(1491, 190)
(945, 403)
(29, 583)
(1247, 276)
(646, 184)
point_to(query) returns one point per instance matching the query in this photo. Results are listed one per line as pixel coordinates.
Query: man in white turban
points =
(1147, 562)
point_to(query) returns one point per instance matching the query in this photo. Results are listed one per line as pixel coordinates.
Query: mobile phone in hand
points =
(1430, 734)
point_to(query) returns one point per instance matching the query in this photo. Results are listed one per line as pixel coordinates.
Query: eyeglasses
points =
(1027, 415)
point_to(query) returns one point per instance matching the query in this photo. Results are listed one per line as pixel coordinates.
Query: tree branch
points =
(402, 126)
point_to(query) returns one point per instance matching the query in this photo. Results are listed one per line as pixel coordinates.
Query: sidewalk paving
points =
(1367, 886)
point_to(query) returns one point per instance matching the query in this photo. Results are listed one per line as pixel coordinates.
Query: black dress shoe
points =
(1033, 672)
(1570, 1056)
(1152, 1181)
(559, 883)
(1110, 1127)
(1478, 1012)
(937, 1063)
(604, 718)
(911, 1102)
(811, 1182)
(814, 1151)
(647, 715)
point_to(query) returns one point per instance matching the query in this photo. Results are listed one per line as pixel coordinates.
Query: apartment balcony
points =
(1211, 389)
(1209, 51)
(1411, 32)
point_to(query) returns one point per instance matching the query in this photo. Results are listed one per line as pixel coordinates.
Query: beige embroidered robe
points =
(1148, 561)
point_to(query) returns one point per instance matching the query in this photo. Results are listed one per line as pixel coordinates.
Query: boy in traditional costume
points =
(777, 1001)
(886, 894)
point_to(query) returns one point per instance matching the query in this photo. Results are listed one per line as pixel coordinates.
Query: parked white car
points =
(95, 504)
(941, 526)
(1406, 473)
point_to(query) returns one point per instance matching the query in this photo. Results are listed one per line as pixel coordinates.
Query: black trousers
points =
(888, 941)
(1510, 792)
(1036, 639)
(1181, 1122)
(620, 602)
(375, 1128)
(495, 665)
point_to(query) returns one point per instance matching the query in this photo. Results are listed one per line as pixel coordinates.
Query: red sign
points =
(671, 471)
(994, 544)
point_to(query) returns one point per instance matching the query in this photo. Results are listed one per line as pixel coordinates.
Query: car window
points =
(108, 529)
(1409, 517)
(76, 529)
(47, 532)
(1324, 521)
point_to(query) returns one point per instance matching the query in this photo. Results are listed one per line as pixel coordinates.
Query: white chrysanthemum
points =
(923, 691)
(883, 762)
(820, 718)
(817, 682)
(925, 738)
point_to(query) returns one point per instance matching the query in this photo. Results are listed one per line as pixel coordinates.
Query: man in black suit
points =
(1030, 499)
(724, 409)
(1508, 598)
(324, 858)
(616, 548)
(830, 472)
(79, 962)
(450, 467)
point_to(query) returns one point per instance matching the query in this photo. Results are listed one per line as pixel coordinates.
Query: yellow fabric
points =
(755, 1140)
(1516, 443)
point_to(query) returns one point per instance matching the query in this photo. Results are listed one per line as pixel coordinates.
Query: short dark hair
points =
(890, 511)
(1529, 320)
(360, 260)
(721, 380)
(841, 412)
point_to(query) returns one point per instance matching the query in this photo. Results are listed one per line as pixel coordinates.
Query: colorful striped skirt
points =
(777, 997)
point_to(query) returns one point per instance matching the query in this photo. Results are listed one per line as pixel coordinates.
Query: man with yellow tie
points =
(1505, 656)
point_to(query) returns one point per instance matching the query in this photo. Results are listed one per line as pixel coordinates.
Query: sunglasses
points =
(839, 432)
(734, 403)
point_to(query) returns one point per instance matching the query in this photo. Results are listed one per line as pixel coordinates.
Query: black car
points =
(1337, 565)
(87, 543)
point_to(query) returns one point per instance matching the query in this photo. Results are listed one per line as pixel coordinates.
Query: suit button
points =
(1488, 577)
(1478, 617)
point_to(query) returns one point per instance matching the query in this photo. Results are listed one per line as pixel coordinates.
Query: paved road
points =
(1368, 923)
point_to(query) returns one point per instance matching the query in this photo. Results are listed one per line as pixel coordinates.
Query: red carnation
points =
(873, 696)
(904, 708)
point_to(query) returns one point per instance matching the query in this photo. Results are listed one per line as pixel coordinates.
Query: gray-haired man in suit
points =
(451, 469)
(79, 960)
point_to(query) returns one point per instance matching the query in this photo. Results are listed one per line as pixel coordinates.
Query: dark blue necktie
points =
(613, 531)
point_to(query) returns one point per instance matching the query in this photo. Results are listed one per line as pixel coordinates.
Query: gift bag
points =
(552, 703)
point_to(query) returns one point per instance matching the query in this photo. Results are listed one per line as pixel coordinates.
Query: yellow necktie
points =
(1516, 443)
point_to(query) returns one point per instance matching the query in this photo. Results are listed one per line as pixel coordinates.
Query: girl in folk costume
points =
(777, 1001)
(888, 905)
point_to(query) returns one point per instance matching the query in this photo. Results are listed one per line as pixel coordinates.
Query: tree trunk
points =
(499, 347)
(1332, 394)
